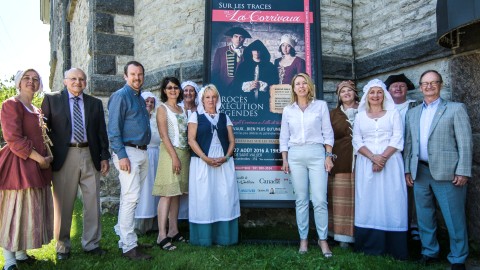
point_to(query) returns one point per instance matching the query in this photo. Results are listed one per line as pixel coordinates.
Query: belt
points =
(141, 147)
(423, 162)
(78, 145)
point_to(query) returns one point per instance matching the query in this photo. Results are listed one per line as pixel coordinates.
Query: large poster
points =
(253, 50)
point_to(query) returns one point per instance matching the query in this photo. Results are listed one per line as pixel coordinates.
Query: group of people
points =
(66, 144)
(373, 148)
(195, 142)
(248, 71)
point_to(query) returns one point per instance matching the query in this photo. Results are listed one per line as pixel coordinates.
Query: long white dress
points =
(213, 192)
(147, 204)
(380, 197)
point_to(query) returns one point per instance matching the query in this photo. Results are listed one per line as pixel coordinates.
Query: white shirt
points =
(403, 108)
(309, 127)
(82, 109)
(428, 112)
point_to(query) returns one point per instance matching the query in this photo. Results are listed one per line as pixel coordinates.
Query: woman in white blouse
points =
(306, 141)
(380, 189)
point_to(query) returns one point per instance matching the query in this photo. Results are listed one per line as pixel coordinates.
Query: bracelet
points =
(227, 157)
(330, 154)
(372, 156)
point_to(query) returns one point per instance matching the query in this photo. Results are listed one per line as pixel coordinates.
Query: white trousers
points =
(130, 190)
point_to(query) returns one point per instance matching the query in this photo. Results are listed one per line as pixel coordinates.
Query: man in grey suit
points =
(438, 162)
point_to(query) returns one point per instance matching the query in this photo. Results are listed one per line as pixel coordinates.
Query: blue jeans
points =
(309, 178)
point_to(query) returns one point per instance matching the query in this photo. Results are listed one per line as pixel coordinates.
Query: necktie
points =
(77, 121)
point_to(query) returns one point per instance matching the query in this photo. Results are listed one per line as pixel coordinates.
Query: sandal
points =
(303, 249)
(327, 254)
(178, 238)
(165, 244)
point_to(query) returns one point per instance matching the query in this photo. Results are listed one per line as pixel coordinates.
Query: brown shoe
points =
(135, 254)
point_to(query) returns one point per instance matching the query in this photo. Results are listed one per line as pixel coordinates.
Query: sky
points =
(24, 39)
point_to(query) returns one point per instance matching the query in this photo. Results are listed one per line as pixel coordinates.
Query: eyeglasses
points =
(34, 79)
(76, 79)
(173, 87)
(433, 83)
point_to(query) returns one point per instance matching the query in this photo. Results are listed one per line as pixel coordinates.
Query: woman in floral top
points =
(172, 174)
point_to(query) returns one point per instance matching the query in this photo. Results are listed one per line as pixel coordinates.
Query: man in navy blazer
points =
(78, 159)
(438, 163)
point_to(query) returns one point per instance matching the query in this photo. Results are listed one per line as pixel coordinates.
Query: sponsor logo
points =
(275, 181)
(247, 190)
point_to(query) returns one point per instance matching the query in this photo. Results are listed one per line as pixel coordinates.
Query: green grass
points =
(243, 256)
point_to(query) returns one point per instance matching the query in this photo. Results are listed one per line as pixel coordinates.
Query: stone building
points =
(360, 40)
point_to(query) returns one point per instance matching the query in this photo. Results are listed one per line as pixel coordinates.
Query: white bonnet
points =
(148, 94)
(21, 73)
(192, 84)
(388, 103)
(289, 39)
(195, 86)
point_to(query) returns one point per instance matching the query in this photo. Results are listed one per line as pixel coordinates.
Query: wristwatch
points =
(330, 154)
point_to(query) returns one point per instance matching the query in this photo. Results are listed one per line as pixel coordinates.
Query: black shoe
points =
(458, 266)
(135, 254)
(62, 256)
(426, 260)
(28, 260)
(96, 251)
(12, 267)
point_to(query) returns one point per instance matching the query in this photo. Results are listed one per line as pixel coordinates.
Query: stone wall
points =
(465, 78)
(79, 37)
(379, 25)
(57, 45)
(174, 35)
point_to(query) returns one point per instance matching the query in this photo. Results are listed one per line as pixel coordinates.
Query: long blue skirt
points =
(222, 233)
(378, 242)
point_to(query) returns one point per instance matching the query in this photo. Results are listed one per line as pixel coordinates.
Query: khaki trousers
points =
(78, 170)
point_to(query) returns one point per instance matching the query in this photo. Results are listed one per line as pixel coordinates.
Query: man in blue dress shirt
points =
(438, 163)
(129, 134)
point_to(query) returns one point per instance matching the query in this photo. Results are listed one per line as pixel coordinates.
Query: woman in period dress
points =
(380, 190)
(306, 140)
(26, 205)
(341, 188)
(147, 205)
(214, 206)
(171, 180)
(189, 104)
(289, 64)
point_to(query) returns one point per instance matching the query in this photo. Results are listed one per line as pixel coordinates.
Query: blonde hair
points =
(310, 86)
(210, 88)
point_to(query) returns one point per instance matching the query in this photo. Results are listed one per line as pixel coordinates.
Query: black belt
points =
(423, 162)
(78, 145)
(141, 147)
